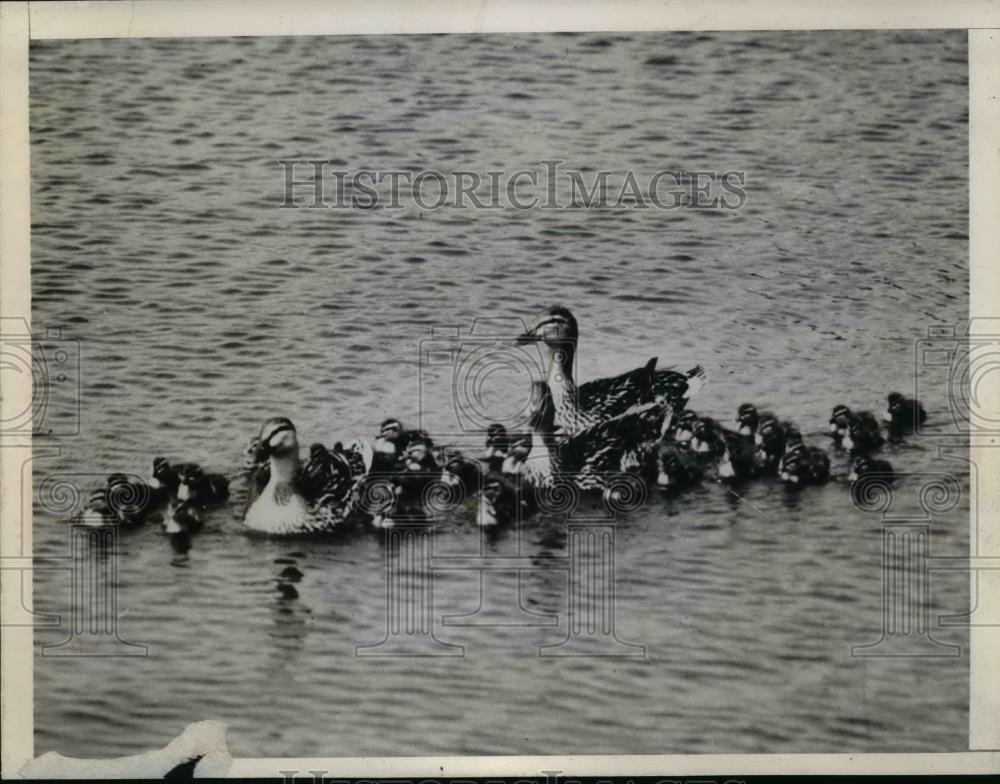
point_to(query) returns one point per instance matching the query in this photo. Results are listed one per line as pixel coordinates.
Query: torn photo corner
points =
(354, 368)
(198, 752)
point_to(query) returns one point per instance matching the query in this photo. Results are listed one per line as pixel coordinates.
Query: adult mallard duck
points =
(579, 407)
(290, 498)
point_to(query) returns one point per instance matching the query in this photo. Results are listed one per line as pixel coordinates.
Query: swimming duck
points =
(804, 465)
(770, 446)
(593, 455)
(863, 434)
(728, 453)
(904, 415)
(331, 480)
(520, 448)
(459, 471)
(840, 423)
(683, 427)
(200, 488)
(586, 405)
(195, 492)
(497, 447)
(182, 518)
(392, 442)
(678, 467)
(748, 418)
(127, 500)
(865, 466)
(499, 501)
(414, 472)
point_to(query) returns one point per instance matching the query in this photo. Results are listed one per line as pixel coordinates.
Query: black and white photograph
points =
(492, 394)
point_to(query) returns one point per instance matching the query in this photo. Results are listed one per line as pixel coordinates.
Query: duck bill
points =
(526, 338)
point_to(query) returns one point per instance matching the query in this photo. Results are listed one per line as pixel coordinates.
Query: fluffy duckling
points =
(497, 447)
(460, 472)
(200, 488)
(498, 501)
(392, 442)
(683, 428)
(678, 467)
(904, 415)
(727, 452)
(748, 419)
(865, 466)
(127, 500)
(864, 434)
(804, 465)
(520, 447)
(840, 422)
(770, 446)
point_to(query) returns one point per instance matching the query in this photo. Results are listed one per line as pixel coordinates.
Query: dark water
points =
(202, 308)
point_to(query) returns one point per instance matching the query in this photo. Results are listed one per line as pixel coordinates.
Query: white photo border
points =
(21, 22)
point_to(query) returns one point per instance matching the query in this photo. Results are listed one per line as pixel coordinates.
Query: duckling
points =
(200, 488)
(904, 415)
(166, 478)
(804, 465)
(863, 434)
(410, 481)
(497, 447)
(770, 446)
(678, 467)
(125, 500)
(182, 517)
(458, 471)
(499, 501)
(748, 419)
(728, 453)
(282, 507)
(520, 448)
(865, 466)
(586, 405)
(840, 422)
(683, 428)
(392, 443)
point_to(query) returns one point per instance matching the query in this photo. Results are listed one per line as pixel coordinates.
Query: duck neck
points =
(284, 468)
(560, 380)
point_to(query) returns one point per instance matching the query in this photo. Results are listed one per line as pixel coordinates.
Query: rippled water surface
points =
(201, 309)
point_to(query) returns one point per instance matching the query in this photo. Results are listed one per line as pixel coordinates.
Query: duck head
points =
(840, 418)
(164, 474)
(497, 443)
(279, 443)
(418, 454)
(862, 466)
(557, 329)
(686, 424)
(389, 433)
(490, 503)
